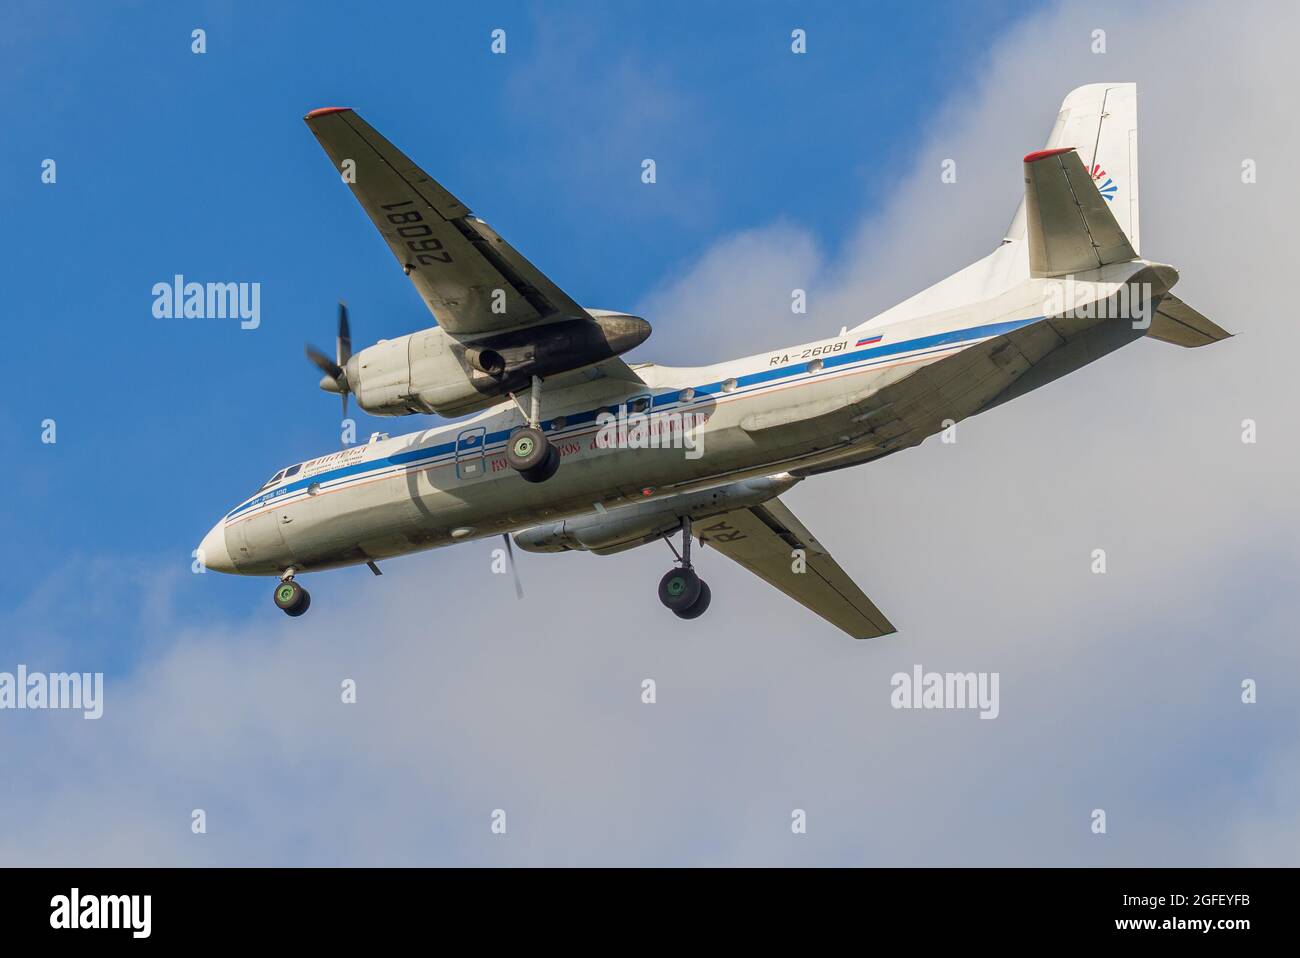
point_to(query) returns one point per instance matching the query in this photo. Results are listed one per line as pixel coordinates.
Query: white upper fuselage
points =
(776, 411)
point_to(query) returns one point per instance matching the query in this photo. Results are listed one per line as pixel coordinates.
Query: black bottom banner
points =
(88, 907)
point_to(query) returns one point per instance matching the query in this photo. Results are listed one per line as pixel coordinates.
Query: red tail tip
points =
(326, 110)
(1044, 154)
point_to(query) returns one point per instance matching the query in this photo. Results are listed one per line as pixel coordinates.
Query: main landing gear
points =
(681, 590)
(528, 451)
(292, 598)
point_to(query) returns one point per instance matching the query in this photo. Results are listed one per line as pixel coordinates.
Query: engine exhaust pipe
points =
(487, 361)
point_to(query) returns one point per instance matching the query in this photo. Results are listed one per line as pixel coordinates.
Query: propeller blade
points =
(510, 552)
(336, 377)
(326, 365)
(343, 345)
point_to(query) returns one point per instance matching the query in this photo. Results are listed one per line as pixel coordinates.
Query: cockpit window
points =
(282, 474)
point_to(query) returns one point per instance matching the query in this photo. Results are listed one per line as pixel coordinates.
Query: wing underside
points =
(764, 540)
(471, 279)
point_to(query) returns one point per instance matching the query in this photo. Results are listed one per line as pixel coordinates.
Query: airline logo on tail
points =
(1105, 185)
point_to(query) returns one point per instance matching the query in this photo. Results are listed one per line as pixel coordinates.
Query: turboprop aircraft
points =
(567, 447)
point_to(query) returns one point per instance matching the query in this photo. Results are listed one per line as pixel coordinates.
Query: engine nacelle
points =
(419, 373)
(627, 527)
(432, 371)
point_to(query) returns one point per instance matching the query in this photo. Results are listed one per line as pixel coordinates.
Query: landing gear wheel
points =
(292, 598)
(527, 449)
(546, 469)
(679, 588)
(700, 606)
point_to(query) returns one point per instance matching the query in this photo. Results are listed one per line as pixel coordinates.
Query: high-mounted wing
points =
(456, 261)
(762, 539)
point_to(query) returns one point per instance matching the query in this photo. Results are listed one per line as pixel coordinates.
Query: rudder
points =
(1100, 122)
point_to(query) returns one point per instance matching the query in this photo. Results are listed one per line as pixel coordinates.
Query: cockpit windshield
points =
(282, 474)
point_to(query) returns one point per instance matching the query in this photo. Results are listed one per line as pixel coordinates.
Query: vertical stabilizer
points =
(1099, 121)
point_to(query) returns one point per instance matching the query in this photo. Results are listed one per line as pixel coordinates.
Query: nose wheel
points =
(528, 451)
(291, 598)
(681, 591)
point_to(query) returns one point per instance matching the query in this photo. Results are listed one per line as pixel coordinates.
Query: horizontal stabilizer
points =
(1176, 322)
(1069, 225)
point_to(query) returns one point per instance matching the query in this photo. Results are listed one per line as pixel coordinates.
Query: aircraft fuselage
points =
(848, 399)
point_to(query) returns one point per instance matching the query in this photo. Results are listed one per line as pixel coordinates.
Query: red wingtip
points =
(1043, 154)
(326, 110)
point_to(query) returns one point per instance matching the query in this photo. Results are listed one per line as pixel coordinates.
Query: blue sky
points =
(171, 162)
(774, 171)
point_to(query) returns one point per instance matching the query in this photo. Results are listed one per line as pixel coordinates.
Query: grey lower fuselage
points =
(823, 405)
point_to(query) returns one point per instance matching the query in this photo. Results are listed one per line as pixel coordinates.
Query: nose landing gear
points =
(681, 590)
(528, 451)
(290, 597)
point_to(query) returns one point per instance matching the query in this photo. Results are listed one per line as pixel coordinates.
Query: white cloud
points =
(1118, 691)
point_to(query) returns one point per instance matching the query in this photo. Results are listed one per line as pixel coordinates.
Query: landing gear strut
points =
(292, 598)
(528, 451)
(681, 590)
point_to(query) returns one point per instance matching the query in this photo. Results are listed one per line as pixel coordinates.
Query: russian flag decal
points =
(868, 342)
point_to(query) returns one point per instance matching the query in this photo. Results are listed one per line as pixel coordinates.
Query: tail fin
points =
(1099, 121)
(1097, 126)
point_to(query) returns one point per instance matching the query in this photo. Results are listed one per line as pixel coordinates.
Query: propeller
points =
(510, 553)
(335, 379)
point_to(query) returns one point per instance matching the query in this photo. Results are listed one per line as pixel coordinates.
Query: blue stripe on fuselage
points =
(666, 398)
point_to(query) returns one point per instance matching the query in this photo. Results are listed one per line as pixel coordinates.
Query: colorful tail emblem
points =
(1105, 185)
(868, 342)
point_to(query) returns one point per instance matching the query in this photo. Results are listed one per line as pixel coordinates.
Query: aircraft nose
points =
(215, 554)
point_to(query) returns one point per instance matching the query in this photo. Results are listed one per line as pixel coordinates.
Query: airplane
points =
(568, 447)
